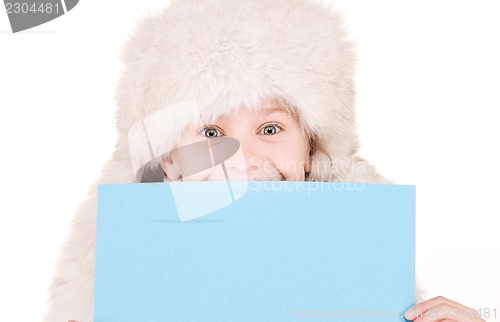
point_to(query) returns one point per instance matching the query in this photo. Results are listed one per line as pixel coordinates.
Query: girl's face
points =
(273, 146)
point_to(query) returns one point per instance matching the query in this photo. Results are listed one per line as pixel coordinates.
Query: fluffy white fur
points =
(223, 54)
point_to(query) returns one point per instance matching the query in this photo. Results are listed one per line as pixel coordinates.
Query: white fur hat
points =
(198, 60)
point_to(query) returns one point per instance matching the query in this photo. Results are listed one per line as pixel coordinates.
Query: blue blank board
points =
(283, 251)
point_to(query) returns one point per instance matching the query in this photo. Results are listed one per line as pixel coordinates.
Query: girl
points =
(277, 75)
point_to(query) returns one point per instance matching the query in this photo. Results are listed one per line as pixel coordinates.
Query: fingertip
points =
(410, 314)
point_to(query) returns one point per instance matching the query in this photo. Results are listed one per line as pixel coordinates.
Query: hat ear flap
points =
(321, 167)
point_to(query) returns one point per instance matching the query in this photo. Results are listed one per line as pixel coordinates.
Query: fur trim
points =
(219, 54)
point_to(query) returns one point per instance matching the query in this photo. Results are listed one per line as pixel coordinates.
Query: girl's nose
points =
(252, 161)
(246, 159)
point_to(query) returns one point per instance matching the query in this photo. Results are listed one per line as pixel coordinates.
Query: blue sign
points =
(283, 251)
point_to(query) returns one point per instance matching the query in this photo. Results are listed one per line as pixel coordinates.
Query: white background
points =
(428, 83)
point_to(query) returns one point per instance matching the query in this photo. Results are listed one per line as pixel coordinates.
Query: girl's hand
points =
(442, 309)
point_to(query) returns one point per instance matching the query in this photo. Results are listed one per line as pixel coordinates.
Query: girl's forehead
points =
(270, 105)
(265, 108)
(260, 112)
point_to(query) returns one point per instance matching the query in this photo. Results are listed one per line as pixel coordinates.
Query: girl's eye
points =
(270, 129)
(210, 132)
